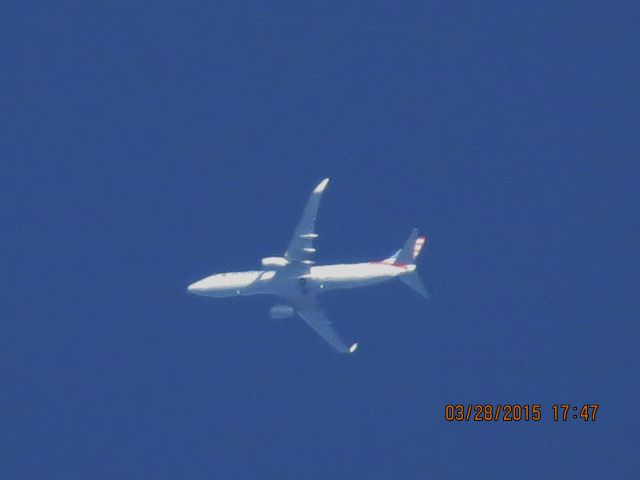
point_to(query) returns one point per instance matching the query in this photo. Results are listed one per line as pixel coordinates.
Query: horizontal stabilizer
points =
(413, 280)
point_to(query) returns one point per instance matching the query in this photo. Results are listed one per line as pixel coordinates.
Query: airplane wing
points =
(301, 244)
(307, 308)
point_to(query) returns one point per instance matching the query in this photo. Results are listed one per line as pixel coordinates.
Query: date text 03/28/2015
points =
(516, 412)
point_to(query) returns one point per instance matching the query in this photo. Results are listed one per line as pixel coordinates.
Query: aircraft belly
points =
(335, 285)
(235, 291)
(234, 284)
(346, 281)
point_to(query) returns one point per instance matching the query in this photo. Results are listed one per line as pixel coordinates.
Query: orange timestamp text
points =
(517, 412)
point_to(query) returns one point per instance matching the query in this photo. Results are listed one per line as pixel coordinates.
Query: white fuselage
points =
(284, 281)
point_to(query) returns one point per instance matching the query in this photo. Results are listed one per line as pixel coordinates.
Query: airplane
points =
(297, 280)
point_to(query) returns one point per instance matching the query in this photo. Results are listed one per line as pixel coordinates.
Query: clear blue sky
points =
(147, 144)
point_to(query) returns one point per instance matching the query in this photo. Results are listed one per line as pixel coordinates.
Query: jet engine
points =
(274, 262)
(278, 312)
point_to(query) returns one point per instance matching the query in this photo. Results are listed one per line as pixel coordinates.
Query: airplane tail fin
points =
(409, 252)
(407, 255)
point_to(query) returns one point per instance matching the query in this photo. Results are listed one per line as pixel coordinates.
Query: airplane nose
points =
(193, 288)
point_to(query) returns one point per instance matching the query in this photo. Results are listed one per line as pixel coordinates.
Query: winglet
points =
(321, 186)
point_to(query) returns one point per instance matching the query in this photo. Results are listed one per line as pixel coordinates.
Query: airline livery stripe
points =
(418, 246)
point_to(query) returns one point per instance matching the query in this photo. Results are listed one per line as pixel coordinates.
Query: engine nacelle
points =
(274, 262)
(278, 312)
